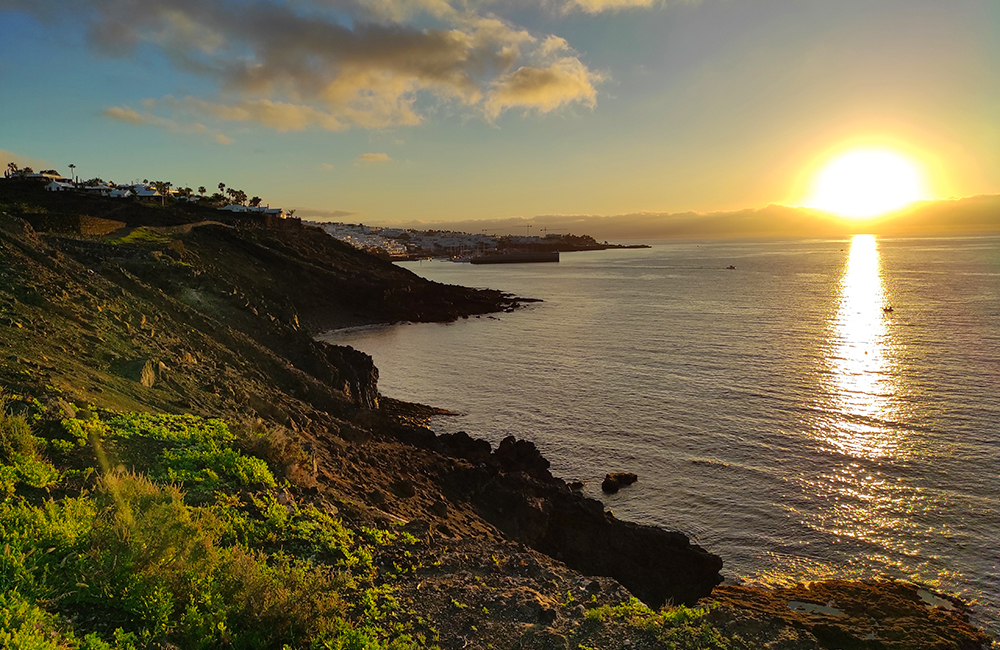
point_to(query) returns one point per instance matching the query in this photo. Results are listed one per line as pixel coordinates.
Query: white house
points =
(145, 192)
(277, 212)
(57, 186)
(104, 189)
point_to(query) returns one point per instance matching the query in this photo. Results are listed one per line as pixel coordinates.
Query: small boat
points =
(887, 309)
(730, 268)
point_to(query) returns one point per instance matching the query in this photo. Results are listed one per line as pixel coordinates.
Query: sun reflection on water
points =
(862, 391)
(866, 504)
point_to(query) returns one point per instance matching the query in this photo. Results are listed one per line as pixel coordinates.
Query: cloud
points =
(597, 6)
(330, 64)
(135, 118)
(373, 158)
(22, 161)
(146, 118)
(323, 215)
(326, 167)
(545, 89)
(280, 116)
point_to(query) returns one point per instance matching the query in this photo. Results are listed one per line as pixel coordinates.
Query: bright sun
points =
(867, 182)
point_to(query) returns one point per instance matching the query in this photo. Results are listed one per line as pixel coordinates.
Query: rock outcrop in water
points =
(616, 481)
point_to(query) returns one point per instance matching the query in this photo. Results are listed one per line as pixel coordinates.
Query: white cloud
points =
(280, 116)
(373, 158)
(598, 6)
(22, 161)
(319, 214)
(131, 116)
(545, 89)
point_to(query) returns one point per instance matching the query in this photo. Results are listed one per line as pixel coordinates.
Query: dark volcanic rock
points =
(404, 488)
(462, 445)
(863, 615)
(522, 456)
(517, 494)
(617, 480)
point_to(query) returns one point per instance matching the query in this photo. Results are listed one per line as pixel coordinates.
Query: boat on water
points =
(517, 257)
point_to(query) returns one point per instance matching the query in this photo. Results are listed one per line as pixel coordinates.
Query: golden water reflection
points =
(862, 391)
(860, 499)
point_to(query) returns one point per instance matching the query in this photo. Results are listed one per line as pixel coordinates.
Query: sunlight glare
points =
(863, 388)
(867, 182)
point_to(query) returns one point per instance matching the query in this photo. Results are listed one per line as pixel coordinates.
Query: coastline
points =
(197, 323)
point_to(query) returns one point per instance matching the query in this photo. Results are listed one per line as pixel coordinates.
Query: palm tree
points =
(202, 190)
(162, 187)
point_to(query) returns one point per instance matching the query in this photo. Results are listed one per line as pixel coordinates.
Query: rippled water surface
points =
(778, 412)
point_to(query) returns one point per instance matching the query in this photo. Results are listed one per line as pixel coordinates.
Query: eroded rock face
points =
(656, 565)
(869, 615)
(357, 374)
(521, 456)
(514, 491)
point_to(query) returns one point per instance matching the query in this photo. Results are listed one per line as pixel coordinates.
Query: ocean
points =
(827, 409)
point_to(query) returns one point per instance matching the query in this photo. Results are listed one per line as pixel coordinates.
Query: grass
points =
(143, 236)
(202, 455)
(679, 628)
(191, 546)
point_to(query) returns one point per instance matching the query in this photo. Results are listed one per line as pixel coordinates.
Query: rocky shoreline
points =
(176, 312)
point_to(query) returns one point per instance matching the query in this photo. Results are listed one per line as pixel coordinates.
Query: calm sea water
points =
(778, 412)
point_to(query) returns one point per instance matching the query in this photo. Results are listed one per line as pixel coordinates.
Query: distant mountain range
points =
(976, 214)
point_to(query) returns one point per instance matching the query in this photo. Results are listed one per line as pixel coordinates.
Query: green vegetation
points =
(143, 236)
(196, 544)
(20, 461)
(682, 628)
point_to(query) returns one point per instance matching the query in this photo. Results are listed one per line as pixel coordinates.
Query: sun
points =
(867, 182)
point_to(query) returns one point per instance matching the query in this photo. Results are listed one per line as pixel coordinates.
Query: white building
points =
(57, 186)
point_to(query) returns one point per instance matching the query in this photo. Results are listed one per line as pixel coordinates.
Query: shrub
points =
(200, 454)
(26, 626)
(156, 564)
(20, 460)
(680, 627)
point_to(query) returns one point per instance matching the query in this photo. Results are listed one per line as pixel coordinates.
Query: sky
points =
(390, 111)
